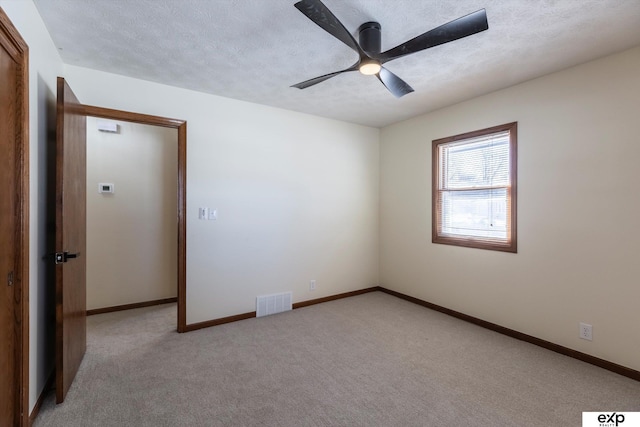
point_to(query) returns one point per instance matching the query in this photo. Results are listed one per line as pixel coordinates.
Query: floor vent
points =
(272, 304)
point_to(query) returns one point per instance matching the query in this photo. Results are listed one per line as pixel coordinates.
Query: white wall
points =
(298, 199)
(44, 66)
(297, 196)
(578, 204)
(132, 234)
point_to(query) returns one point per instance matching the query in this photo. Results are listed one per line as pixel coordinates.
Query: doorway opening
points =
(178, 243)
(131, 215)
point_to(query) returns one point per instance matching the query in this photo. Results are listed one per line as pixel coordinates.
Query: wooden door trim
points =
(181, 126)
(18, 49)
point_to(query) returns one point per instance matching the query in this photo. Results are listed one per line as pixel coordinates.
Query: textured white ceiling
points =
(254, 50)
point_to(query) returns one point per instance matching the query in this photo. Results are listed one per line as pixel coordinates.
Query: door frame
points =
(181, 126)
(14, 44)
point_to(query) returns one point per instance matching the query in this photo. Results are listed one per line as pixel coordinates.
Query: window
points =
(474, 189)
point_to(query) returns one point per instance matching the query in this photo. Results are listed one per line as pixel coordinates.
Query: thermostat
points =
(104, 187)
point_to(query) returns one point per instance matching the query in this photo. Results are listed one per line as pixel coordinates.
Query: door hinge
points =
(10, 279)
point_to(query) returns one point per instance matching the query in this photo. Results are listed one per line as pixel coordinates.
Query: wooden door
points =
(8, 313)
(70, 270)
(13, 226)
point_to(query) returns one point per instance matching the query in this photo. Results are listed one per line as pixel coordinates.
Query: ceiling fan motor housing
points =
(370, 37)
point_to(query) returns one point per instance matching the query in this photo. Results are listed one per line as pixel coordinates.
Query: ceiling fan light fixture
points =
(369, 68)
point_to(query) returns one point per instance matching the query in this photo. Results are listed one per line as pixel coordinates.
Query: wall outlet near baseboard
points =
(586, 331)
(312, 285)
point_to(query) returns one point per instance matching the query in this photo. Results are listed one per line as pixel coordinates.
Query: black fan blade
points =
(395, 84)
(321, 15)
(454, 30)
(305, 84)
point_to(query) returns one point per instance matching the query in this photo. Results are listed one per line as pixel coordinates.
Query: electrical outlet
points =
(312, 285)
(586, 331)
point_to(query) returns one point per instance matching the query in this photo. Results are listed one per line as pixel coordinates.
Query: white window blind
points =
(473, 189)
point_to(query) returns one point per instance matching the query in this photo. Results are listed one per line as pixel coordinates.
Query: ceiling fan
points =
(371, 59)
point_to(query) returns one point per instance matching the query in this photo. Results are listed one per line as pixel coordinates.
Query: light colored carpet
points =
(370, 360)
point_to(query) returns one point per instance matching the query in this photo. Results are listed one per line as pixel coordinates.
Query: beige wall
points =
(297, 195)
(132, 233)
(44, 66)
(578, 210)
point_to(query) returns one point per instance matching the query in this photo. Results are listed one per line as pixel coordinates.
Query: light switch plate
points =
(203, 213)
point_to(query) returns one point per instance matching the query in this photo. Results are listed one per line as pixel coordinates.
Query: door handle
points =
(62, 257)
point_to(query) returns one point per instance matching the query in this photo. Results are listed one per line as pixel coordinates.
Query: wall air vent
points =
(272, 304)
